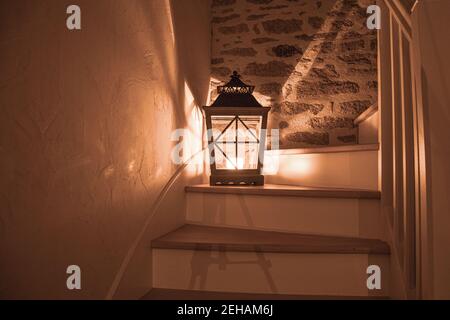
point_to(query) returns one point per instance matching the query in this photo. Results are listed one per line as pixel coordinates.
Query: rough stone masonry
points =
(314, 62)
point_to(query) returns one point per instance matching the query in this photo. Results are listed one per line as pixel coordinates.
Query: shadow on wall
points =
(214, 211)
(189, 23)
(314, 62)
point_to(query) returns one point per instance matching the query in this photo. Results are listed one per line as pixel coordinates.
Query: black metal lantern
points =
(237, 126)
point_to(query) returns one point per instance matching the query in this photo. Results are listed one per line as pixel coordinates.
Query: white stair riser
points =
(329, 216)
(357, 170)
(249, 272)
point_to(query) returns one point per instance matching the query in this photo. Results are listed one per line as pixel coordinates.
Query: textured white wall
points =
(85, 133)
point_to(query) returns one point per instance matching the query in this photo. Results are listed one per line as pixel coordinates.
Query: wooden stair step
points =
(198, 237)
(172, 294)
(284, 190)
(332, 149)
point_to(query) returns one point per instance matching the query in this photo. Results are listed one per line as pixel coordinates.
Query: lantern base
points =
(237, 180)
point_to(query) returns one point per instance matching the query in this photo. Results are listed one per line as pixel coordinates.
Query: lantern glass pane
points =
(236, 142)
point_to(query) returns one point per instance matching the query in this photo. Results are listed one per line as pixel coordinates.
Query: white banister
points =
(399, 138)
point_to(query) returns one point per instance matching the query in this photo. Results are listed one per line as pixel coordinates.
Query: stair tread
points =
(285, 190)
(199, 237)
(333, 149)
(171, 294)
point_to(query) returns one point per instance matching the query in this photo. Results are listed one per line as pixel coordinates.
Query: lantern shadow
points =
(214, 213)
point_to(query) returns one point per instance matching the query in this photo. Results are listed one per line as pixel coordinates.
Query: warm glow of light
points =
(188, 97)
(271, 164)
(288, 166)
(131, 166)
(213, 84)
(297, 166)
(109, 171)
(233, 164)
(193, 135)
(170, 17)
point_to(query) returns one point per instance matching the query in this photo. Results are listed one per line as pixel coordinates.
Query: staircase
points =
(280, 241)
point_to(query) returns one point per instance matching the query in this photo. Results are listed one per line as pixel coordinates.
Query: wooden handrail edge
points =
(403, 17)
(366, 114)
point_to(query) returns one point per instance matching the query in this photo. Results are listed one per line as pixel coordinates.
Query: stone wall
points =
(314, 62)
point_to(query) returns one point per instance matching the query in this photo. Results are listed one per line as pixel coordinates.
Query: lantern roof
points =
(236, 94)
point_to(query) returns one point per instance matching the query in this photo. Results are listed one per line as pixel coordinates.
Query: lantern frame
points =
(236, 100)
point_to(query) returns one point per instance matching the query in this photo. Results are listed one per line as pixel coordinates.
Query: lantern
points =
(237, 126)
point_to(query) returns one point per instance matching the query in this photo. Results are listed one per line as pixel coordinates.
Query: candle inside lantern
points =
(235, 164)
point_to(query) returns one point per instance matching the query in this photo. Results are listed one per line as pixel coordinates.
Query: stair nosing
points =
(193, 295)
(289, 191)
(372, 246)
(326, 150)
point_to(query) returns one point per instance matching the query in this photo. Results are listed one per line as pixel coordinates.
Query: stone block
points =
(270, 89)
(354, 108)
(225, 18)
(330, 123)
(242, 52)
(270, 69)
(221, 3)
(286, 51)
(310, 88)
(240, 28)
(279, 26)
(311, 138)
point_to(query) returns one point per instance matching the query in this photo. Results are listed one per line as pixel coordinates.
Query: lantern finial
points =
(236, 75)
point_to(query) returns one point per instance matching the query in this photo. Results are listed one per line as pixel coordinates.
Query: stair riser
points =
(330, 216)
(306, 274)
(341, 170)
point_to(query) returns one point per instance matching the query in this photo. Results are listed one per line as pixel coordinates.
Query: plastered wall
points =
(85, 133)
